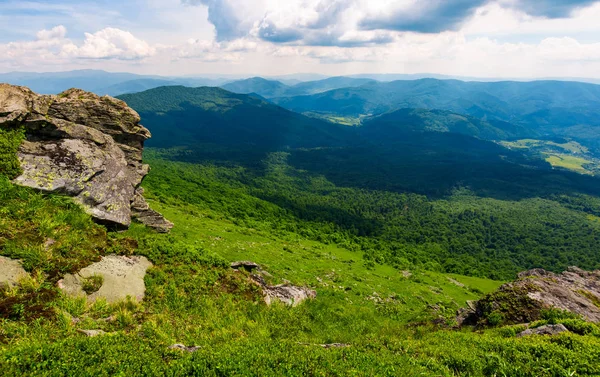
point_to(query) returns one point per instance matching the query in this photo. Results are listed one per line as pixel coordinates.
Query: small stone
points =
(544, 330)
(246, 265)
(335, 345)
(48, 243)
(92, 333)
(184, 348)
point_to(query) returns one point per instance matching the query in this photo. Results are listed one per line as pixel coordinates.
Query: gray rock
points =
(288, 294)
(544, 330)
(184, 348)
(82, 145)
(247, 265)
(141, 211)
(11, 271)
(91, 333)
(122, 277)
(328, 345)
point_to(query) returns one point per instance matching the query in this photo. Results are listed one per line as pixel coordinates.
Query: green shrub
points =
(92, 283)
(10, 140)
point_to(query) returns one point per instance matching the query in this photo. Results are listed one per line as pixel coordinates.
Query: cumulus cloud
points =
(57, 32)
(53, 47)
(231, 18)
(111, 43)
(212, 51)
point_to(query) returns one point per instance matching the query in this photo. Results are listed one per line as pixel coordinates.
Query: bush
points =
(10, 140)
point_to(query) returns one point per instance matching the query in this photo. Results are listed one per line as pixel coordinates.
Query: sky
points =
(474, 38)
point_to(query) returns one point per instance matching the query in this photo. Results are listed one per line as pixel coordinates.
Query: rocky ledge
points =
(524, 300)
(85, 146)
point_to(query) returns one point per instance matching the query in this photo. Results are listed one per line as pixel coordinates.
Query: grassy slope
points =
(195, 299)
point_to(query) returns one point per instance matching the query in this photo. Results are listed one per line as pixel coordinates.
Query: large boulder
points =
(82, 145)
(524, 300)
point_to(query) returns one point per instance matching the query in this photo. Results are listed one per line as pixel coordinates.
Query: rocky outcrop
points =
(119, 277)
(524, 300)
(82, 145)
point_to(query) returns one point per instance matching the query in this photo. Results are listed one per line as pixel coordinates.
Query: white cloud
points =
(57, 32)
(111, 43)
(52, 47)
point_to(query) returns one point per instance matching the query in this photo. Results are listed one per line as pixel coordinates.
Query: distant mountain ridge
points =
(552, 108)
(98, 81)
(272, 88)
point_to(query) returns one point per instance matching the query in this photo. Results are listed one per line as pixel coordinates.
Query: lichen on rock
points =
(84, 146)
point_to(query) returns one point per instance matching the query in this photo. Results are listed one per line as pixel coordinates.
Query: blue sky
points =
(482, 38)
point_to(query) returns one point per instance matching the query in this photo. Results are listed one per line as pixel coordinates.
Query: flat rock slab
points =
(122, 277)
(11, 271)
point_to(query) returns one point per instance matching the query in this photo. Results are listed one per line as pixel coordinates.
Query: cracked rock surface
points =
(84, 146)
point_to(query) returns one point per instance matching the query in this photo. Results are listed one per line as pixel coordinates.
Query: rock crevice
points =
(84, 146)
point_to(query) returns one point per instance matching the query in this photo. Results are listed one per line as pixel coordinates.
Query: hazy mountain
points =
(100, 82)
(56, 82)
(272, 89)
(546, 107)
(319, 86)
(258, 85)
(134, 86)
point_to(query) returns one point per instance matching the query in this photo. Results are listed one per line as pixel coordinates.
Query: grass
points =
(569, 162)
(569, 146)
(92, 284)
(333, 118)
(569, 155)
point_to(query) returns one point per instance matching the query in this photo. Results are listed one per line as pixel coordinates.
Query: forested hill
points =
(561, 108)
(384, 127)
(273, 88)
(258, 85)
(178, 115)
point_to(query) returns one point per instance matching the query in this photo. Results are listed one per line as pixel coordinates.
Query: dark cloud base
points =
(428, 16)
